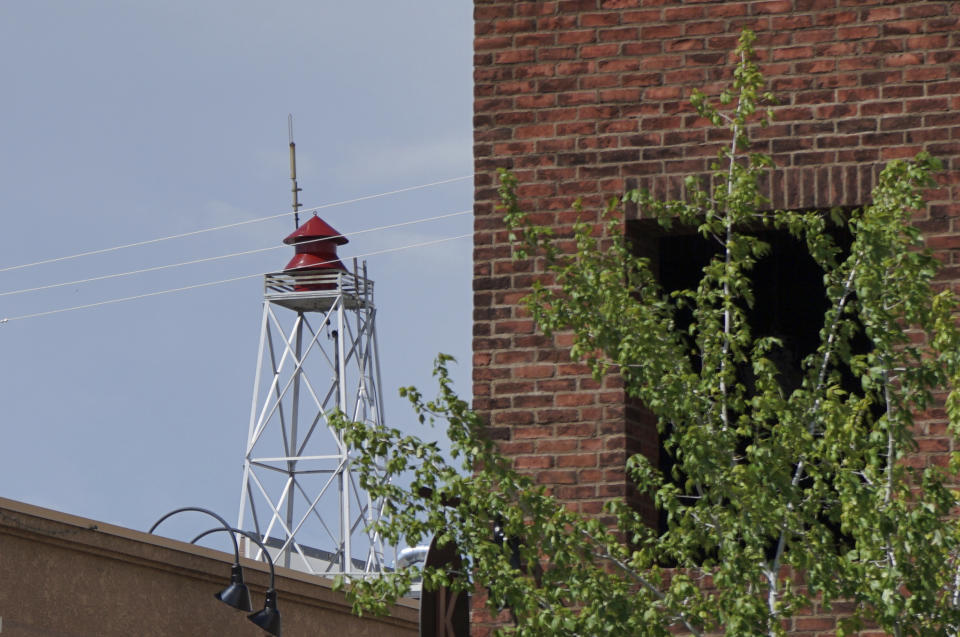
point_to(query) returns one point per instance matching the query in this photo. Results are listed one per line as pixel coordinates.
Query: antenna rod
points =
(293, 172)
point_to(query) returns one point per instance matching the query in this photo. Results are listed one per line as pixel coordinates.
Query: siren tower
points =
(317, 355)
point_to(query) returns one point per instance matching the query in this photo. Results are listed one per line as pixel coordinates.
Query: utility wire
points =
(229, 225)
(220, 282)
(132, 272)
(224, 256)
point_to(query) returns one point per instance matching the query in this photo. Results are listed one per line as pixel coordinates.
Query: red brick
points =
(599, 50)
(835, 17)
(773, 6)
(814, 623)
(577, 37)
(513, 418)
(514, 56)
(557, 53)
(792, 53)
(556, 416)
(514, 25)
(926, 105)
(533, 462)
(886, 13)
(858, 32)
(535, 8)
(557, 477)
(579, 460)
(904, 59)
(489, 42)
(487, 12)
(599, 19)
(902, 28)
(727, 9)
(659, 62)
(620, 95)
(928, 42)
(534, 371)
(663, 92)
(598, 81)
(557, 445)
(540, 130)
(573, 400)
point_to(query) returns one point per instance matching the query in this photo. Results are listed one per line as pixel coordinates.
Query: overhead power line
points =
(182, 235)
(132, 272)
(220, 282)
(168, 266)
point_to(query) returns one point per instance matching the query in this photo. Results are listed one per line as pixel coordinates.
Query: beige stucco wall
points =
(64, 576)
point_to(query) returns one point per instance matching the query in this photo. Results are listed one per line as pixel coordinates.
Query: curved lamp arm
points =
(226, 527)
(247, 535)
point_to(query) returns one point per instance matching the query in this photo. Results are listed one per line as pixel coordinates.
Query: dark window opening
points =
(789, 296)
(789, 303)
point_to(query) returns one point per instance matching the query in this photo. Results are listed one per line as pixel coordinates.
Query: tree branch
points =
(639, 579)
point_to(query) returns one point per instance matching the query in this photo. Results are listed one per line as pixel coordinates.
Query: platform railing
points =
(313, 283)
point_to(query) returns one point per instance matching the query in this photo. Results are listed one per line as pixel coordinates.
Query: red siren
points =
(315, 244)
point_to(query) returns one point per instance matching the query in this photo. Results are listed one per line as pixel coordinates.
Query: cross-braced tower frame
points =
(317, 354)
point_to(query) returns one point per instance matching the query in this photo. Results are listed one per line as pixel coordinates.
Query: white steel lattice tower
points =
(317, 354)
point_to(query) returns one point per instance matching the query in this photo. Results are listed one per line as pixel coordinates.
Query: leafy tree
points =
(780, 494)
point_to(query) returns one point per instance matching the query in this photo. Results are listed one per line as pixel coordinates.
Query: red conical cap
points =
(316, 228)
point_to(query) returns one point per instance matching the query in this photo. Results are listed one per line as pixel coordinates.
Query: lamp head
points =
(236, 594)
(269, 618)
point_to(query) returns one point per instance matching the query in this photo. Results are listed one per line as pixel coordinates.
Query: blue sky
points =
(123, 120)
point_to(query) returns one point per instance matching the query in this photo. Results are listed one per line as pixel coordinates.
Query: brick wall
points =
(579, 96)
